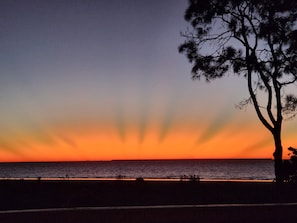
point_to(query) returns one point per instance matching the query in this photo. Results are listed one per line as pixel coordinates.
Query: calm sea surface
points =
(205, 169)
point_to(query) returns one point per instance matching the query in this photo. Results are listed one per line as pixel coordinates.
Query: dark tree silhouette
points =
(254, 39)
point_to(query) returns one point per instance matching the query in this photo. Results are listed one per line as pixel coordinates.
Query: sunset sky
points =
(103, 80)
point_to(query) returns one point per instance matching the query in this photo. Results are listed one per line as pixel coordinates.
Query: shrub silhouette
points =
(290, 166)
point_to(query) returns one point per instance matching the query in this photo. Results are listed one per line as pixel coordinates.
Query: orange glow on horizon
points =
(107, 144)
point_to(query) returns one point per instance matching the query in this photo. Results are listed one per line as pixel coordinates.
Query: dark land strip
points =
(78, 201)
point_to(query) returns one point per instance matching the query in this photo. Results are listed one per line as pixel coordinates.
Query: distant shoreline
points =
(135, 160)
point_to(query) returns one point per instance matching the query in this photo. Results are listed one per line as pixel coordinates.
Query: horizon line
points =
(135, 160)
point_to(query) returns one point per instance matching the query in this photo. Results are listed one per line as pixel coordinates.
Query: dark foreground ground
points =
(148, 201)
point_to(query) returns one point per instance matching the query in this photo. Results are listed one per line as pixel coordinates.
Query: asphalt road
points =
(285, 212)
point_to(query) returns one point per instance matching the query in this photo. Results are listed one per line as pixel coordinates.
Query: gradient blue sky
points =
(93, 80)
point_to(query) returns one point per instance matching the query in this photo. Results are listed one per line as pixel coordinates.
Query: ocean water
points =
(165, 169)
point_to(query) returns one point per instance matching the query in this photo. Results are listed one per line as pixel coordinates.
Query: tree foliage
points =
(251, 38)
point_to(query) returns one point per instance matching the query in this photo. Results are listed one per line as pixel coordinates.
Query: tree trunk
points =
(278, 156)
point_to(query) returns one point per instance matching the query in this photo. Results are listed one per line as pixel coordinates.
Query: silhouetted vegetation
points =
(139, 179)
(290, 166)
(192, 178)
(120, 177)
(254, 39)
